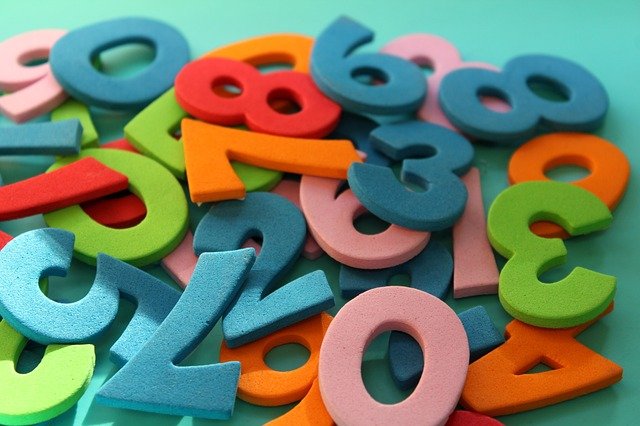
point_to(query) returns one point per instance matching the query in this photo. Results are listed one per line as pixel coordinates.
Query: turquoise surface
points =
(602, 36)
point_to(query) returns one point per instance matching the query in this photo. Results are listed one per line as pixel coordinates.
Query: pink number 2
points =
(29, 90)
(442, 57)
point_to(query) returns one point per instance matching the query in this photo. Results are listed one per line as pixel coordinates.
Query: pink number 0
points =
(442, 57)
(32, 91)
(427, 319)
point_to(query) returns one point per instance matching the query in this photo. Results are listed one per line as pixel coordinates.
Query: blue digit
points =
(357, 129)
(335, 72)
(445, 196)
(153, 381)
(72, 58)
(584, 109)
(259, 311)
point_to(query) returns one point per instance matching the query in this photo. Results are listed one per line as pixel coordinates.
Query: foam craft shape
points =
(469, 418)
(157, 235)
(474, 267)
(253, 106)
(52, 388)
(405, 355)
(310, 411)
(448, 155)
(72, 109)
(261, 385)
(290, 189)
(153, 380)
(335, 71)
(62, 138)
(209, 148)
(67, 186)
(260, 310)
(71, 62)
(151, 130)
(427, 319)
(498, 384)
(122, 210)
(181, 262)
(583, 110)
(33, 90)
(429, 271)
(44, 252)
(580, 296)
(609, 168)
(330, 221)
(357, 128)
(442, 57)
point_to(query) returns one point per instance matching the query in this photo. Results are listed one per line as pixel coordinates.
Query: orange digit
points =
(497, 384)
(608, 166)
(261, 385)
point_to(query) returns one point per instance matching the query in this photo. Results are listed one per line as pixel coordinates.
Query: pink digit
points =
(181, 262)
(442, 57)
(474, 267)
(427, 319)
(32, 90)
(330, 220)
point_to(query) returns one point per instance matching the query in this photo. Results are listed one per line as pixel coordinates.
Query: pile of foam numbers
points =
(338, 124)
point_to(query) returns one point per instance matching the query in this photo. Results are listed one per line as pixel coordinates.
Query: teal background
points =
(604, 36)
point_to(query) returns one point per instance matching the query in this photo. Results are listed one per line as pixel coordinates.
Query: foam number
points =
(577, 298)
(440, 335)
(583, 108)
(48, 252)
(336, 73)
(497, 384)
(52, 388)
(30, 90)
(260, 310)
(151, 131)
(609, 169)
(157, 235)
(208, 150)
(61, 138)
(72, 109)
(254, 106)
(261, 385)
(443, 201)
(439, 55)
(153, 380)
(357, 129)
(72, 58)
(330, 220)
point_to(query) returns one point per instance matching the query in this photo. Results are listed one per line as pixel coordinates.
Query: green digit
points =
(162, 229)
(151, 133)
(580, 296)
(74, 109)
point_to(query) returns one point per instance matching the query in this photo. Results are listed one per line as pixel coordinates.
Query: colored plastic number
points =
(442, 57)
(151, 131)
(62, 138)
(497, 384)
(153, 380)
(157, 235)
(475, 271)
(209, 148)
(583, 108)
(71, 109)
(357, 129)
(448, 154)
(260, 311)
(32, 90)
(427, 319)
(580, 296)
(52, 388)
(48, 252)
(336, 73)
(608, 167)
(71, 62)
(330, 220)
(195, 92)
